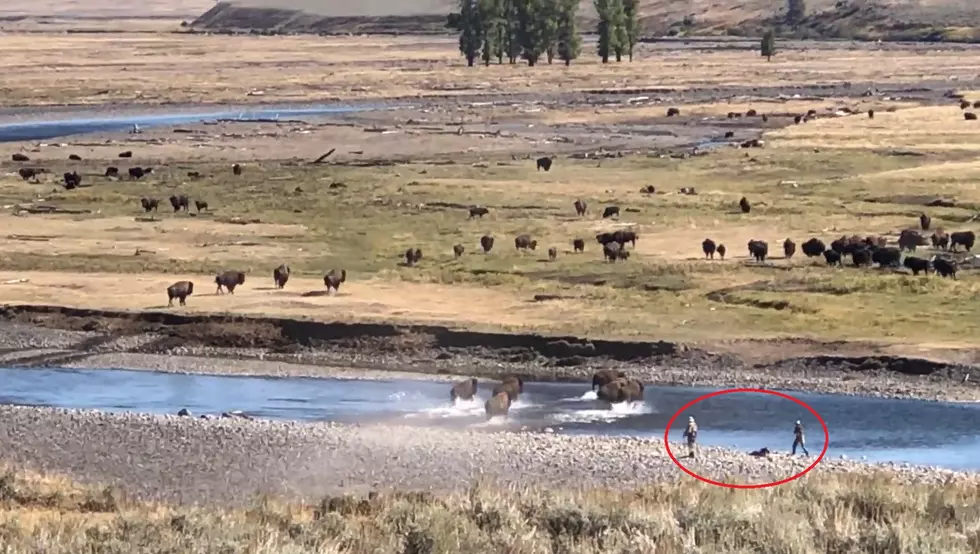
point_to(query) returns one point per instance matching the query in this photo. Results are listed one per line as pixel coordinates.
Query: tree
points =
(548, 17)
(621, 42)
(610, 15)
(795, 11)
(492, 24)
(569, 41)
(631, 11)
(769, 44)
(530, 29)
(470, 31)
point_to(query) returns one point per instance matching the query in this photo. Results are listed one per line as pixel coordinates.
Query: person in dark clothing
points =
(799, 440)
(691, 434)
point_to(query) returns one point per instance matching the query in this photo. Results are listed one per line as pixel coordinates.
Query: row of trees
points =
(534, 29)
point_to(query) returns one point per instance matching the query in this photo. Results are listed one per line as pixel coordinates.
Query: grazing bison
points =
(30, 173)
(833, 257)
(744, 205)
(605, 376)
(200, 205)
(916, 265)
(497, 405)
(229, 280)
(149, 204)
(180, 202)
(72, 180)
(512, 385)
(463, 390)
(729, 134)
(478, 211)
(552, 253)
(709, 248)
(649, 189)
(179, 290)
(236, 169)
(813, 247)
(486, 243)
(621, 390)
(970, 116)
(610, 211)
(458, 250)
(789, 248)
(861, 256)
(20, 158)
(74, 157)
(721, 251)
(334, 278)
(758, 249)
(112, 172)
(580, 207)
(976, 104)
(940, 240)
(280, 275)
(671, 112)
(888, 256)
(910, 239)
(966, 238)
(964, 104)
(412, 256)
(944, 267)
(523, 242)
(137, 173)
(615, 251)
(544, 163)
(925, 221)
(622, 236)
(126, 154)
(578, 245)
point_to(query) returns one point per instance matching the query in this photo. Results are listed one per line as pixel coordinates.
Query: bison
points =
(137, 173)
(486, 243)
(925, 221)
(280, 275)
(20, 158)
(614, 251)
(910, 239)
(112, 172)
(229, 280)
(180, 290)
(621, 390)
(580, 207)
(744, 205)
(200, 205)
(74, 157)
(610, 211)
(671, 112)
(709, 248)
(578, 245)
(649, 189)
(72, 180)
(813, 247)
(236, 169)
(458, 250)
(944, 267)
(497, 405)
(523, 242)
(463, 390)
(789, 248)
(721, 251)
(412, 256)
(964, 104)
(861, 256)
(758, 249)
(149, 204)
(512, 385)
(888, 256)
(544, 163)
(916, 265)
(334, 278)
(871, 114)
(180, 202)
(478, 211)
(833, 257)
(970, 116)
(552, 253)
(966, 238)
(606, 376)
(126, 154)
(940, 240)
(30, 173)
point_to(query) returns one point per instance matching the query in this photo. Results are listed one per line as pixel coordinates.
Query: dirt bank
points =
(137, 340)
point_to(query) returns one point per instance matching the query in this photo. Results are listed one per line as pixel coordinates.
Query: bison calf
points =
(721, 251)
(200, 205)
(180, 290)
(334, 278)
(280, 275)
(229, 280)
(458, 250)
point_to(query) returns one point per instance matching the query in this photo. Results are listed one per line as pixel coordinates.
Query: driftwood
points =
(324, 156)
(48, 209)
(141, 251)
(261, 120)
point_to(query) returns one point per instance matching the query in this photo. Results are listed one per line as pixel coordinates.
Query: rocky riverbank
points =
(228, 460)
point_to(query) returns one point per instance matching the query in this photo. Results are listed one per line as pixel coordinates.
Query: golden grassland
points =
(146, 68)
(819, 514)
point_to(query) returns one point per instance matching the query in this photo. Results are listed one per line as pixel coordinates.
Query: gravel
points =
(190, 460)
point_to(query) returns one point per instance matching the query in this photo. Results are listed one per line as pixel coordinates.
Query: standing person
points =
(799, 440)
(691, 434)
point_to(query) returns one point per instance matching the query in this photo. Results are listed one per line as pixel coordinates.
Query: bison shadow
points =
(315, 293)
(265, 288)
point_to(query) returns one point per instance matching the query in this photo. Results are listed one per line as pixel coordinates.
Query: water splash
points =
(588, 396)
(459, 408)
(617, 411)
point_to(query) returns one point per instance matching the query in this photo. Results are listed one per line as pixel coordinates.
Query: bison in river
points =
(486, 243)
(709, 248)
(463, 390)
(180, 290)
(497, 405)
(605, 376)
(512, 385)
(334, 278)
(229, 280)
(544, 163)
(280, 275)
(621, 390)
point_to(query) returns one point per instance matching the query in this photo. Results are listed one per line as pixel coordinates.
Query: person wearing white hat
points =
(691, 434)
(799, 440)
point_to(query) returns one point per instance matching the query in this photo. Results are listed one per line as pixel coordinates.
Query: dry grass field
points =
(822, 514)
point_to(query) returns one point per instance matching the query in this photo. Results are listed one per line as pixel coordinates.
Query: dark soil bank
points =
(440, 350)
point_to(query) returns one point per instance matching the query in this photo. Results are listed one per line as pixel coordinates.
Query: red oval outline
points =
(826, 436)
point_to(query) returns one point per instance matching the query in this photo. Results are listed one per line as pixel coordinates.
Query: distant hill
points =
(937, 20)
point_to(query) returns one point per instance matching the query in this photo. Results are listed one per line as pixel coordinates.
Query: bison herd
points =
(610, 386)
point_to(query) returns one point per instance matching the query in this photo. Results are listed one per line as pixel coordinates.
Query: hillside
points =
(885, 19)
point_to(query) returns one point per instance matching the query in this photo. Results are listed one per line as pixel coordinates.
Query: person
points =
(691, 434)
(799, 440)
